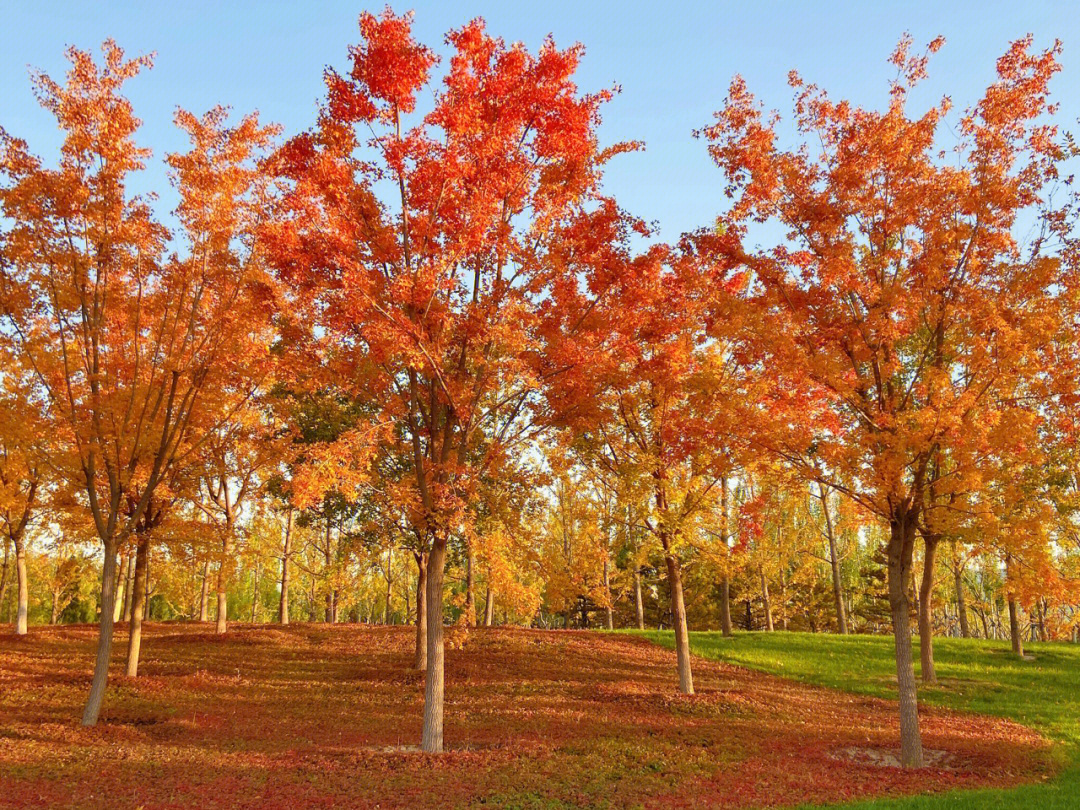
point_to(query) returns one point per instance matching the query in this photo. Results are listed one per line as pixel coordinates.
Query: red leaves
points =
(388, 64)
(317, 716)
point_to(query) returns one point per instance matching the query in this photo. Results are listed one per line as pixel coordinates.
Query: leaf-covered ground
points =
(326, 716)
(974, 675)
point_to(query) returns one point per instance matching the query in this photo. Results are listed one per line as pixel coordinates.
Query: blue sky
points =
(674, 61)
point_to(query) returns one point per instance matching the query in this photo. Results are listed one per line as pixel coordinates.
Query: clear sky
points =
(673, 60)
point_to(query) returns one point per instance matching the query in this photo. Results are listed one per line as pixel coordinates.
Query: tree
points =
(652, 407)
(128, 347)
(900, 311)
(23, 437)
(428, 300)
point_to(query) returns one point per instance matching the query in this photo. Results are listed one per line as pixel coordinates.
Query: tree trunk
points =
(283, 602)
(204, 595)
(138, 604)
(420, 657)
(961, 602)
(105, 636)
(900, 553)
(432, 738)
(24, 591)
(389, 583)
(607, 590)
(489, 608)
(222, 625)
(834, 561)
(926, 616)
(54, 611)
(126, 614)
(121, 586)
(783, 600)
(470, 584)
(639, 607)
(255, 592)
(1014, 628)
(4, 576)
(725, 607)
(725, 582)
(678, 612)
(766, 602)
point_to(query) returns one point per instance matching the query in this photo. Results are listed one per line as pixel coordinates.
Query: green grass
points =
(975, 675)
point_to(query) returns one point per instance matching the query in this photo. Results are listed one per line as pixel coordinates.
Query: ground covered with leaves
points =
(327, 716)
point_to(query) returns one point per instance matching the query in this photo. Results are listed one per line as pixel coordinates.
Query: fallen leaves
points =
(320, 716)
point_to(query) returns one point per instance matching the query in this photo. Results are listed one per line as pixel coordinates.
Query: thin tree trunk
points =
(126, 615)
(432, 737)
(54, 611)
(204, 595)
(607, 590)
(1014, 611)
(328, 614)
(489, 608)
(4, 577)
(783, 600)
(121, 586)
(105, 636)
(961, 602)
(725, 582)
(1014, 628)
(138, 603)
(283, 603)
(834, 561)
(900, 553)
(926, 617)
(639, 607)
(222, 623)
(725, 607)
(420, 657)
(389, 582)
(766, 602)
(255, 592)
(470, 584)
(678, 611)
(23, 608)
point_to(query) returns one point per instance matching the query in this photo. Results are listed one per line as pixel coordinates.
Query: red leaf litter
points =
(313, 716)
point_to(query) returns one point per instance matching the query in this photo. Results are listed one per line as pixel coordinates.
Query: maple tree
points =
(129, 347)
(900, 309)
(428, 297)
(652, 406)
(23, 471)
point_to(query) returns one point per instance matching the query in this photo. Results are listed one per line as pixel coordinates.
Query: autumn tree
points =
(899, 311)
(420, 242)
(23, 468)
(648, 395)
(126, 343)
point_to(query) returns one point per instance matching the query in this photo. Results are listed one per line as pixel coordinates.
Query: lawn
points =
(975, 675)
(326, 716)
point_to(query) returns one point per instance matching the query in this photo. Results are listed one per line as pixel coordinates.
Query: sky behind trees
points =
(673, 60)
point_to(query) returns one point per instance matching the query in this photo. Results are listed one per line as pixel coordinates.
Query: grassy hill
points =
(975, 675)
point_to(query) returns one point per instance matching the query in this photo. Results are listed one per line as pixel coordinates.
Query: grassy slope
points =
(975, 675)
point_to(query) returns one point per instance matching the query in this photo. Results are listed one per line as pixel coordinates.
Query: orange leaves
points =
(899, 288)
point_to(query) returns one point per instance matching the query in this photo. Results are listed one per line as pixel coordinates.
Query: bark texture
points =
(926, 615)
(432, 736)
(900, 554)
